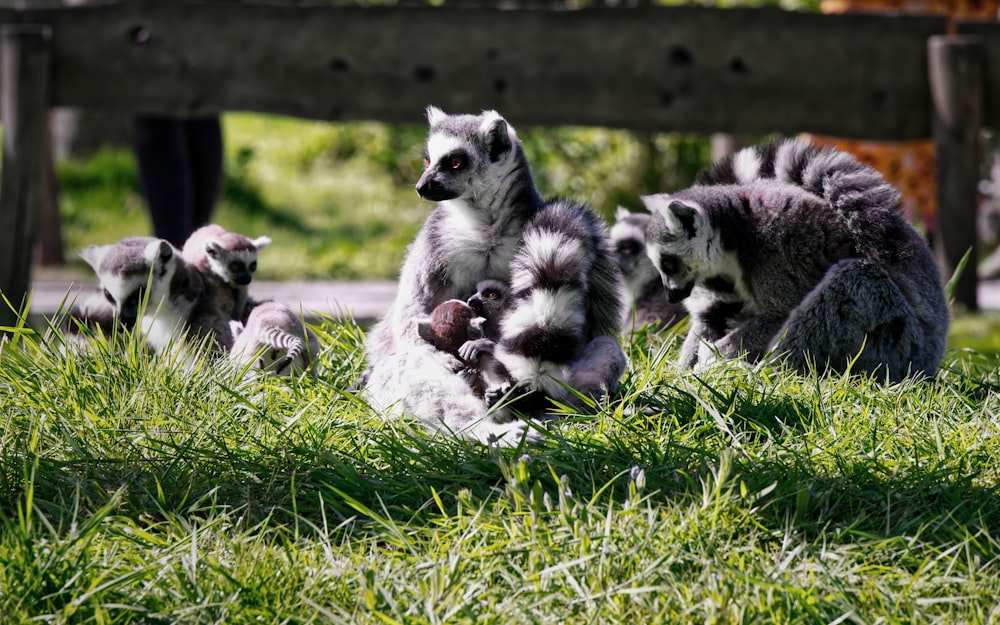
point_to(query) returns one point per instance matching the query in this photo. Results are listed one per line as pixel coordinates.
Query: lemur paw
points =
(471, 350)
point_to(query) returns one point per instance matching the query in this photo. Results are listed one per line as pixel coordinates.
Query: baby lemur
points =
(802, 253)
(468, 331)
(228, 261)
(275, 339)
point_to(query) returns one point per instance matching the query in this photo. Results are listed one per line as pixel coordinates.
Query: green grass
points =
(331, 212)
(137, 489)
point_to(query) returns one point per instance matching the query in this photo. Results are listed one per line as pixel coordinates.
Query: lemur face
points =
(628, 240)
(128, 268)
(233, 257)
(676, 235)
(235, 267)
(489, 299)
(460, 151)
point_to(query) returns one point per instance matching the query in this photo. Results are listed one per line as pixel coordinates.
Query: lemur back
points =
(491, 222)
(274, 339)
(228, 260)
(644, 295)
(811, 253)
(148, 285)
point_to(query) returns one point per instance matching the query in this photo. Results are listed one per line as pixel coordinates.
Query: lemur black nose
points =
(675, 296)
(430, 189)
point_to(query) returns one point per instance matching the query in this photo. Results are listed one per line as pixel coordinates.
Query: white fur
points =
(476, 249)
(434, 115)
(549, 248)
(746, 166)
(784, 160)
(561, 308)
(440, 144)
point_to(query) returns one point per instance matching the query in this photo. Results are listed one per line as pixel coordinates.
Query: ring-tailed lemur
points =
(228, 261)
(148, 284)
(275, 339)
(646, 299)
(801, 252)
(469, 331)
(491, 222)
(450, 327)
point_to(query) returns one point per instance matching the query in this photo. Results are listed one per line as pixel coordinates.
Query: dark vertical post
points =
(956, 78)
(24, 93)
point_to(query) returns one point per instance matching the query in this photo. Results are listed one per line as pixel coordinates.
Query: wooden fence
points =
(655, 69)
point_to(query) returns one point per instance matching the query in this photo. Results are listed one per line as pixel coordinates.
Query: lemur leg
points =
(426, 387)
(751, 340)
(595, 372)
(856, 308)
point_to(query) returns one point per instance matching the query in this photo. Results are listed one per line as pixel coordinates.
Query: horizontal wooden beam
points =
(667, 69)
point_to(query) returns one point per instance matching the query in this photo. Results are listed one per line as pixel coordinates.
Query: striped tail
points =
(278, 338)
(834, 175)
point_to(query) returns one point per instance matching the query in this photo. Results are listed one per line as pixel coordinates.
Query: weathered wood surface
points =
(24, 84)
(955, 68)
(988, 35)
(675, 69)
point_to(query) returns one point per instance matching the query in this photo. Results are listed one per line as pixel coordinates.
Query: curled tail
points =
(565, 286)
(278, 338)
(834, 175)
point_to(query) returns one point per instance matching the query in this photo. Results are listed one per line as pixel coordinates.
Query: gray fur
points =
(802, 253)
(646, 300)
(148, 284)
(228, 261)
(488, 208)
(275, 340)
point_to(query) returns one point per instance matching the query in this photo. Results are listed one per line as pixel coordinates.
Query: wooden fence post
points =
(24, 93)
(955, 69)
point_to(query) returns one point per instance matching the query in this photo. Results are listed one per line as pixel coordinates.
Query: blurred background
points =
(337, 199)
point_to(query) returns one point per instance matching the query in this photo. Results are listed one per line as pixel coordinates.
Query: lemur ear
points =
(621, 213)
(261, 242)
(213, 248)
(424, 329)
(677, 216)
(435, 115)
(159, 251)
(92, 255)
(497, 134)
(686, 216)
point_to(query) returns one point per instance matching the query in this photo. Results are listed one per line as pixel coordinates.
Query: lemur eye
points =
(669, 264)
(253, 267)
(457, 162)
(427, 162)
(235, 266)
(108, 296)
(492, 294)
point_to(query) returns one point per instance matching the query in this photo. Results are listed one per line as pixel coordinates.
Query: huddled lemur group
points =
(166, 294)
(785, 252)
(511, 305)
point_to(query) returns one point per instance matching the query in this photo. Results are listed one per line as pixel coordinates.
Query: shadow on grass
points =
(400, 473)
